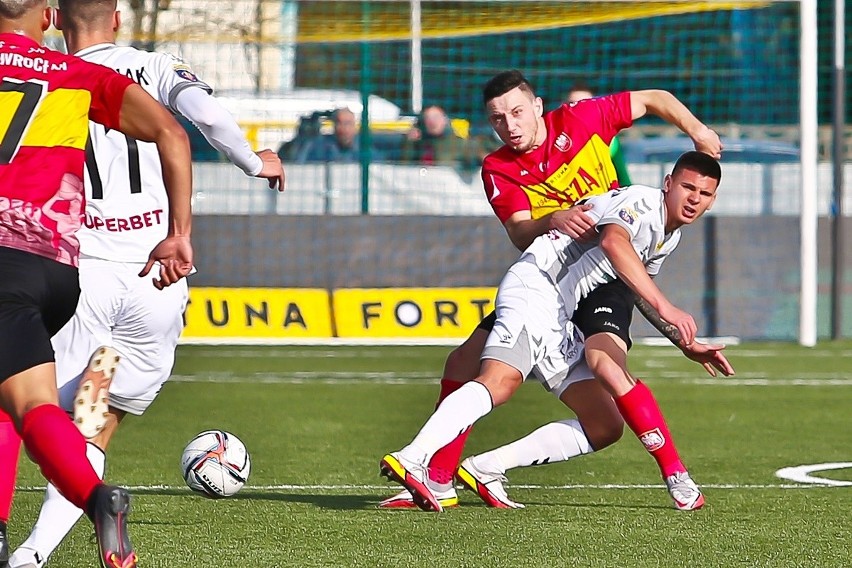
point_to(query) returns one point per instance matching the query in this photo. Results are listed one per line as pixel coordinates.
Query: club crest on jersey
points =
(628, 215)
(562, 142)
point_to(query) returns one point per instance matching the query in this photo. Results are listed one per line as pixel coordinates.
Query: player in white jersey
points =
(638, 228)
(120, 314)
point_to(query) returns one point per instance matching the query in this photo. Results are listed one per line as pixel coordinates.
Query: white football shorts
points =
(119, 309)
(534, 332)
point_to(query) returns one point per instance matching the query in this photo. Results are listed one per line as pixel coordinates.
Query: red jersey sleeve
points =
(107, 88)
(504, 195)
(611, 114)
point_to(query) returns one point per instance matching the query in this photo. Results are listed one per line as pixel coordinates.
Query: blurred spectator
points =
(579, 91)
(308, 130)
(434, 142)
(342, 146)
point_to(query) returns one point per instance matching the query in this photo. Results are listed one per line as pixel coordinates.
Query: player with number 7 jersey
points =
(118, 349)
(46, 101)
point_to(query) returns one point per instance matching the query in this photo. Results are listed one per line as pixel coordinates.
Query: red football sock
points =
(60, 451)
(10, 448)
(443, 465)
(642, 414)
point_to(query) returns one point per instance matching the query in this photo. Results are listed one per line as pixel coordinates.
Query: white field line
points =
(294, 353)
(287, 351)
(756, 353)
(373, 341)
(390, 487)
(420, 378)
(802, 473)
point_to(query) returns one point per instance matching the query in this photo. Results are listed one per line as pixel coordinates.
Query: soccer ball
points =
(215, 463)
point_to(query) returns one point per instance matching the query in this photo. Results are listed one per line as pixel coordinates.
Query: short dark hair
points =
(503, 82)
(700, 162)
(579, 85)
(86, 14)
(15, 9)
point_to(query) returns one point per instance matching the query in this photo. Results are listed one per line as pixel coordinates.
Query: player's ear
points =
(667, 183)
(116, 20)
(47, 18)
(538, 105)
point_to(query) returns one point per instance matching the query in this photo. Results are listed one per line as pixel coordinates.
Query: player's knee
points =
(614, 378)
(462, 365)
(605, 433)
(501, 387)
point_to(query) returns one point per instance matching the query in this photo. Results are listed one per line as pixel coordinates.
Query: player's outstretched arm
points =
(616, 245)
(222, 131)
(669, 108)
(145, 119)
(708, 355)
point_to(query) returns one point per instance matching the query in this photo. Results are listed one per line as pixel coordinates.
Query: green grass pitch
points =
(316, 421)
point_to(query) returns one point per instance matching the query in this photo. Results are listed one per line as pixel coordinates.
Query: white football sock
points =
(554, 442)
(58, 515)
(454, 415)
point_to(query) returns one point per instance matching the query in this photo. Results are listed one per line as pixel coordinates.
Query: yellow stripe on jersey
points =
(590, 172)
(9, 103)
(62, 119)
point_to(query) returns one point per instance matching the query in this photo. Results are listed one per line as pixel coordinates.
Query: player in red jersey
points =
(46, 101)
(548, 162)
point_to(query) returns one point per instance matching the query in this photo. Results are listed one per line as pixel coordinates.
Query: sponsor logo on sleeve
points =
(185, 73)
(628, 215)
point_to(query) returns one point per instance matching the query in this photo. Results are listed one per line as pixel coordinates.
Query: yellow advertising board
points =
(257, 313)
(410, 312)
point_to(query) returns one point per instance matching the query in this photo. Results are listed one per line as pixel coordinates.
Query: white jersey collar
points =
(93, 48)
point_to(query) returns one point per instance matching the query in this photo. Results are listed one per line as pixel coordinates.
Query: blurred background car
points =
(667, 149)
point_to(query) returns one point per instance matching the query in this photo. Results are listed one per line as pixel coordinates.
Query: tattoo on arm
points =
(653, 317)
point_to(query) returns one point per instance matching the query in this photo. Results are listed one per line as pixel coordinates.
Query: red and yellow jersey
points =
(573, 162)
(46, 101)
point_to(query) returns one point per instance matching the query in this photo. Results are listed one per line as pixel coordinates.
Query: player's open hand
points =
(174, 255)
(710, 357)
(574, 222)
(708, 141)
(272, 169)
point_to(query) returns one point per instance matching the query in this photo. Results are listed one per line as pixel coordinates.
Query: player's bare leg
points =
(58, 515)
(59, 449)
(606, 355)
